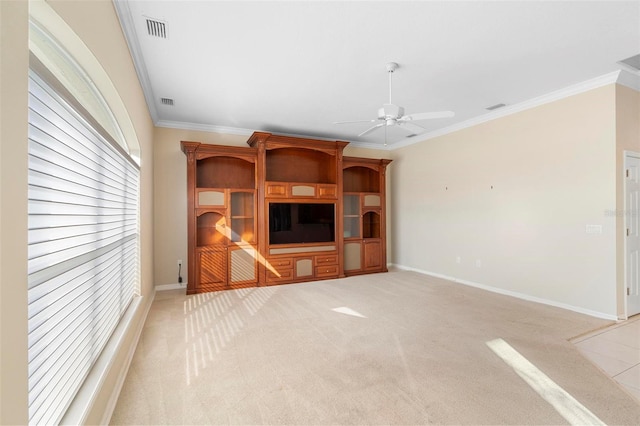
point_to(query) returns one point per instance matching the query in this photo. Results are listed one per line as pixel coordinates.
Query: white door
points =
(632, 224)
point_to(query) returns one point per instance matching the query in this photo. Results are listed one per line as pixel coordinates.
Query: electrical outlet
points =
(179, 262)
(478, 263)
(458, 260)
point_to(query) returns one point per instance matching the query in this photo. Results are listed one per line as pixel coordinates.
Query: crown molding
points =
(204, 127)
(623, 77)
(248, 132)
(371, 145)
(128, 27)
(630, 79)
(610, 78)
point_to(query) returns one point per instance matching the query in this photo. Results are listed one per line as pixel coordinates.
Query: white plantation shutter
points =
(83, 247)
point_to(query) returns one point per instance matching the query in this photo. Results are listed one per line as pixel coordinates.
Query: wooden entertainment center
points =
(283, 210)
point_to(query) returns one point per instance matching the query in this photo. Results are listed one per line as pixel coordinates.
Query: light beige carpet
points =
(394, 348)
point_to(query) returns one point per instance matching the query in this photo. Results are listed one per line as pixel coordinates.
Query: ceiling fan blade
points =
(357, 121)
(371, 129)
(412, 128)
(427, 115)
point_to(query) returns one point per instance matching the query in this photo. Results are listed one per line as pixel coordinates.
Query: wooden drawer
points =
(280, 269)
(327, 191)
(276, 190)
(281, 263)
(285, 275)
(327, 271)
(330, 259)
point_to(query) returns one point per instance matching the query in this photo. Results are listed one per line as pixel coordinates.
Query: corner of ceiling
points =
(371, 145)
(204, 127)
(128, 28)
(629, 79)
(594, 83)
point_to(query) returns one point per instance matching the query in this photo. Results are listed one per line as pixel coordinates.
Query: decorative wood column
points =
(258, 140)
(340, 208)
(189, 148)
(383, 211)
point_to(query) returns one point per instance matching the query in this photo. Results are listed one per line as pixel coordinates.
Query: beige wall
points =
(627, 139)
(515, 194)
(14, 62)
(96, 23)
(170, 196)
(355, 151)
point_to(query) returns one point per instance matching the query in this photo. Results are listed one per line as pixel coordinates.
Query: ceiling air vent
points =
(156, 28)
(632, 62)
(166, 101)
(496, 106)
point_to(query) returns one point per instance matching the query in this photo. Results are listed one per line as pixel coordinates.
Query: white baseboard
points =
(113, 400)
(515, 294)
(176, 286)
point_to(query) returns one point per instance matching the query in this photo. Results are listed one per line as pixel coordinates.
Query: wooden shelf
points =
(225, 172)
(361, 179)
(229, 194)
(371, 225)
(309, 166)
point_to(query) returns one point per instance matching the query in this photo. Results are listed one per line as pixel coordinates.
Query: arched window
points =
(83, 241)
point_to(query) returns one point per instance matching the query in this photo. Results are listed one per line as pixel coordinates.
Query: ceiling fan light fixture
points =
(392, 66)
(390, 110)
(391, 114)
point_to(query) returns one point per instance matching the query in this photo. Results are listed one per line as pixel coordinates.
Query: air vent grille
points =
(633, 62)
(166, 101)
(496, 106)
(156, 28)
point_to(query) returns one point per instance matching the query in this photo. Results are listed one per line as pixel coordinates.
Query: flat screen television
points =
(296, 223)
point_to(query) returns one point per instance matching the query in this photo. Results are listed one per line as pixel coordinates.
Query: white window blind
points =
(83, 247)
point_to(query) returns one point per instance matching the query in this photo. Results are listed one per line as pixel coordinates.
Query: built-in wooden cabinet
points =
(221, 217)
(282, 210)
(300, 206)
(302, 267)
(364, 219)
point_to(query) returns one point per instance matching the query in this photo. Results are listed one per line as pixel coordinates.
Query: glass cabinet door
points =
(351, 216)
(242, 219)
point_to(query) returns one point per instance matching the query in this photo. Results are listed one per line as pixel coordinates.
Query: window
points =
(83, 244)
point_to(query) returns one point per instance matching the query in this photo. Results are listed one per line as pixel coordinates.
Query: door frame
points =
(626, 215)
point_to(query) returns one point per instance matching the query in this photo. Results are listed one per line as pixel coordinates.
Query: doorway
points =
(632, 232)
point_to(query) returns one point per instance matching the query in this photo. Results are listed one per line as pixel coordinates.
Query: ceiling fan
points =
(391, 115)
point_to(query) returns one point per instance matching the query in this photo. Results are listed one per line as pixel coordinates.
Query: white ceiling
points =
(296, 67)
